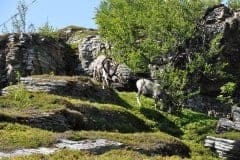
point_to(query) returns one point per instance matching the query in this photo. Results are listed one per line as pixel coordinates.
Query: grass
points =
(66, 78)
(188, 127)
(24, 102)
(233, 135)
(20, 136)
(137, 140)
(118, 154)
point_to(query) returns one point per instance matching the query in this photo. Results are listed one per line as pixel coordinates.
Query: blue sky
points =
(59, 13)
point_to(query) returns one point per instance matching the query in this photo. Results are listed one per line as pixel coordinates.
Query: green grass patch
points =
(22, 101)
(233, 135)
(15, 136)
(116, 154)
(142, 140)
(189, 126)
(51, 76)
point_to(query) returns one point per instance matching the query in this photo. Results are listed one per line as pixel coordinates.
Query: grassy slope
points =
(190, 127)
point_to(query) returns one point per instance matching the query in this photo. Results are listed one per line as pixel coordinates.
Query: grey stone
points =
(27, 54)
(89, 48)
(236, 113)
(88, 144)
(227, 125)
(91, 145)
(226, 149)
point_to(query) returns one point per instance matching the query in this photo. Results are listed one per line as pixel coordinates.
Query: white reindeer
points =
(150, 88)
(103, 69)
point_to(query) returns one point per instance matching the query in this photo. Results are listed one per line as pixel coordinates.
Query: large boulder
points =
(76, 86)
(89, 48)
(124, 79)
(227, 125)
(226, 148)
(29, 54)
(120, 76)
(236, 113)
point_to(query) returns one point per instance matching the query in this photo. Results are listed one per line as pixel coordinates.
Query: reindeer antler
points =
(104, 62)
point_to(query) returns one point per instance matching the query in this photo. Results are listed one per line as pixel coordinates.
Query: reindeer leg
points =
(103, 78)
(155, 103)
(103, 82)
(138, 98)
(103, 86)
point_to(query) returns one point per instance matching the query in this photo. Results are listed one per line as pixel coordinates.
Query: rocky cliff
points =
(29, 54)
(219, 20)
(69, 54)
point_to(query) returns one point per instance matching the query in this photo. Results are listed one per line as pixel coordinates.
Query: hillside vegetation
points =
(191, 48)
(146, 132)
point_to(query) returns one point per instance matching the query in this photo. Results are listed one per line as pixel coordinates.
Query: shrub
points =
(48, 31)
(20, 95)
(227, 91)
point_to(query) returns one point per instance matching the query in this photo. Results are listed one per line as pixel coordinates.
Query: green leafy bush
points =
(146, 28)
(48, 31)
(234, 4)
(20, 95)
(173, 83)
(227, 91)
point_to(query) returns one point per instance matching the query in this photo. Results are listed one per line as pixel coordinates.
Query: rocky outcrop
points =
(219, 19)
(74, 34)
(226, 149)
(208, 105)
(236, 113)
(227, 125)
(30, 54)
(96, 146)
(78, 87)
(124, 79)
(89, 48)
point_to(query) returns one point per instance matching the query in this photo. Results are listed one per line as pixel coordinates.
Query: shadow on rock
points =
(106, 120)
(82, 118)
(75, 87)
(166, 149)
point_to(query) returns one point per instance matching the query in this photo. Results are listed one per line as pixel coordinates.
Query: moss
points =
(15, 136)
(233, 135)
(118, 154)
(23, 101)
(189, 126)
(73, 46)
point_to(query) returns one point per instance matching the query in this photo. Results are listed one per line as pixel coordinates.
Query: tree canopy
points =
(141, 29)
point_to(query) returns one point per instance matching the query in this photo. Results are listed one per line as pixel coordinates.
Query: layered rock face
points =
(29, 54)
(219, 20)
(90, 47)
(32, 54)
(228, 125)
(226, 149)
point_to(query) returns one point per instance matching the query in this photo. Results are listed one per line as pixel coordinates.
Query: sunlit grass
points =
(15, 136)
(189, 126)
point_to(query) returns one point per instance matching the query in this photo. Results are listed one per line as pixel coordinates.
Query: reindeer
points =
(103, 70)
(150, 88)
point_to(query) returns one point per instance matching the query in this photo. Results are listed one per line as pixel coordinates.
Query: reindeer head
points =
(109, 66)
